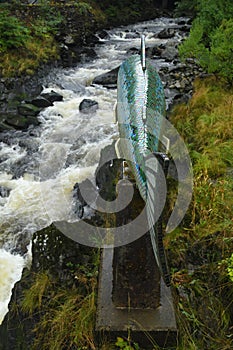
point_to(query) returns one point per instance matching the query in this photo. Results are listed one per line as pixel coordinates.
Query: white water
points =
(66, 149)
(11, 270)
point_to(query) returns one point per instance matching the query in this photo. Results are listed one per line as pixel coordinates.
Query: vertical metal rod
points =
(143, 52)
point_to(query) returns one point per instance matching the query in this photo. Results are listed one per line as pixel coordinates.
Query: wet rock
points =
(4, 192)
(72, 85)
(87, 54)
(69, 40)
(108, 79)
(103, 34)
(52, 96)
(21, 122)
(133, 51)
(185, 28)
(166, 33)
(189, 21)
(92, 39)
(155, 51)
(27, 109)
(87, 106)
(132, 35)
(5, 127)
(41, 102)
(181, 22)
(169, 53)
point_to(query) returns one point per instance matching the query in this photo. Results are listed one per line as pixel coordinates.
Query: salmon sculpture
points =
(140, 113)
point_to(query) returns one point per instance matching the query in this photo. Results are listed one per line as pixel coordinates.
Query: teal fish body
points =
(140, 113)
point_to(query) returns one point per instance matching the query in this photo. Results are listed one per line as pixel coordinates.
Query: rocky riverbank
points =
(75, 38)
(21, 100)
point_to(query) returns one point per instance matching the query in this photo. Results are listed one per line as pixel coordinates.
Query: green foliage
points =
(193, 45)
(63, 306)
(13, 34)
(185, 7)
(221, 51)
(68, 323)
(126, 344)
(83, 8)
(34, 37)
(210, 40)
(33, 297)
(229, 262)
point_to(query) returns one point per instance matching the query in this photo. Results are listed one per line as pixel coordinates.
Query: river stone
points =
(103, 34)
(72, 85)
(154, 51)
(41, 102)
(52, 96)
(108, 79)
(132, 35)
(69, 40)
(21, 122)
(133, 51)
(27, 109)
(5, 127)
(88, 53)
(92, 39)
(88, 105)
(170, 53)
(4, 192)
(166, 33)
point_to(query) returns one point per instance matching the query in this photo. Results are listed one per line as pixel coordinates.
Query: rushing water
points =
(41, 166)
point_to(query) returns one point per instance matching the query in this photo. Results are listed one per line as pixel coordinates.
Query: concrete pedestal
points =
(147, 326)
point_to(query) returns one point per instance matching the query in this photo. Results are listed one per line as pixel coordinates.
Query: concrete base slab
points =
(147, 327)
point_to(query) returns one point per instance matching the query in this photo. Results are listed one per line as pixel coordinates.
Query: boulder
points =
(133, 51)
(181, 22)
(132, 35)
(20, 122)
(41, 102)
(169, 53)
(69, 40)
(87, 54)
(28, 109)
(154, 51)
(166, 33)
(4, 192)
(88, 105)
(52, 96)
(70, 84)
(92, 39)
(108, 79)
(5, 127)
(103, 34)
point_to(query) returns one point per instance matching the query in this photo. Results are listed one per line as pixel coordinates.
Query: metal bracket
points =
(143, 52)
(163, 161)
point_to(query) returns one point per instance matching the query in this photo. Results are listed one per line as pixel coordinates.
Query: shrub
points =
(221, 51)
(210, 40)
(13, 34)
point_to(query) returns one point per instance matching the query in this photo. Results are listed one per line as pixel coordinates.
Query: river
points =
(39, 168)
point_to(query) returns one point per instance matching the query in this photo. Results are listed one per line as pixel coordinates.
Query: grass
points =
(34, 53)
(64, 310)
(201, 248)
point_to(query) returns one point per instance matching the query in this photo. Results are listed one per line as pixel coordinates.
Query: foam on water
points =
(11, 267)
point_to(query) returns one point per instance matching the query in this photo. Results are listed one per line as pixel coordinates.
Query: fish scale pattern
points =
(141, 108)
(140, 113)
